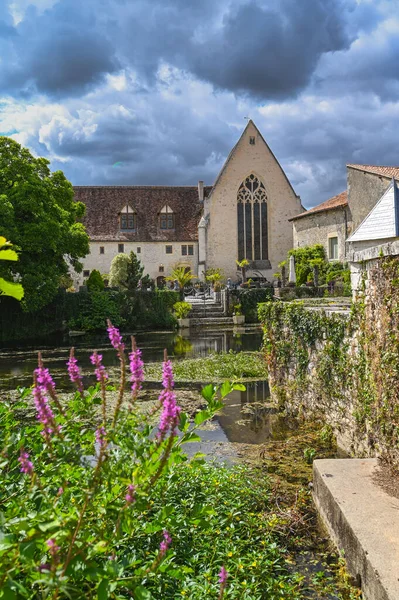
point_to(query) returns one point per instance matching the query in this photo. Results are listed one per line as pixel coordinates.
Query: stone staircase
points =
(208, 313)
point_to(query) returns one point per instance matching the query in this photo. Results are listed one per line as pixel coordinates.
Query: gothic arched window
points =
(252, 220)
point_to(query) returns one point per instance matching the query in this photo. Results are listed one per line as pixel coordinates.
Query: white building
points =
(245, 214)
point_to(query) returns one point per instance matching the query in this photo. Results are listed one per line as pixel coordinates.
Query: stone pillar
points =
(202, 247)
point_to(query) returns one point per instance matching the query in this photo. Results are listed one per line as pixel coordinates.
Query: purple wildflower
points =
(26, 464)
(167, 397)
(223, 576)
(130, 496)
(44, 413)
(44, 378)
(136, 368)
(100, 371)
(53, 548)
(166, 542)
(115, 337)
(167, 375)
(74, 371)
(100, 436)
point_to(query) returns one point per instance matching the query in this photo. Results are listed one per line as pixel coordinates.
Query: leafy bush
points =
(249, 300)
(182, 309)
(88, 491)
(95, 282)
(304, 259)
(95, 309)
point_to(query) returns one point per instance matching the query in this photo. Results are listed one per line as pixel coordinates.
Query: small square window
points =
(252, 140)
(161, 268)
(169, 249)
(102, 250)
(191, 250)
(333, 248)
(138, 250)
(86, 274)
(121, 248)
(184, 250)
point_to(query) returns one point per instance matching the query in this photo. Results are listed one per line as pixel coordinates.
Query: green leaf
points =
(225, 389)
(239, 386)
(208, 392)
(184, 422)
(102, 590)
(201, 417)
(15, 290)
(140, 593)
(8, 255)
(191, 436)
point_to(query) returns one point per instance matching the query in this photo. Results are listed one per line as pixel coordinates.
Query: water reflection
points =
(17, 363)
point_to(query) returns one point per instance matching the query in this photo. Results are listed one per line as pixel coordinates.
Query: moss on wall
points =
(346, 370)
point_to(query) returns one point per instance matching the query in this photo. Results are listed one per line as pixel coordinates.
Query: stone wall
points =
(317, 228)
(364, 191)
(344, 371)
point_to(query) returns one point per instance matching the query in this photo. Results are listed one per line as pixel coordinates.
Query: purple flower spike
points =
(223, 576)
(100, 436)
(115, 337)
(167, 397)
(74, 371)
(44, 413)
(44, 378)
(167, 375)
(53, 548)
(136, 368)
(100, 371)
(131, 494)
(26, 464)
(166, 542)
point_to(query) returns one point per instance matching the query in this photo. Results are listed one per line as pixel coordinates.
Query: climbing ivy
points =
(344, 369)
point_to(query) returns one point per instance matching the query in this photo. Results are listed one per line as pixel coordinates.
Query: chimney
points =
(201, 191)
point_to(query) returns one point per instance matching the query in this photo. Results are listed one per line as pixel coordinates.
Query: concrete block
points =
(363, 521)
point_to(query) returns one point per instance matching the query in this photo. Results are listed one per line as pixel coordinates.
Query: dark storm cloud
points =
(271, 52)
(267, 49)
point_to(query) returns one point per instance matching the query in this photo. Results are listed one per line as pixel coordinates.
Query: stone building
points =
(327, 224)
(245, 214)
(335, 222)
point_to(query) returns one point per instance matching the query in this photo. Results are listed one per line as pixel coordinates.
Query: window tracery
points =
(252, 219)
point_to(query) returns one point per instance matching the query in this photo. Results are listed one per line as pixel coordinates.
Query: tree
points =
(125, 272)
(134, 272)
(38, 212)
(243, 265)
(95, 282)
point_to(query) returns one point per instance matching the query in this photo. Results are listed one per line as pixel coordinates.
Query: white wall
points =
(152, 255)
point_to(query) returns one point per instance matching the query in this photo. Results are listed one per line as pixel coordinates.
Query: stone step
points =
(211, 321)
(207, 315)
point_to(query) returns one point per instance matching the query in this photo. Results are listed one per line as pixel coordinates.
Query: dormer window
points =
(166, 218)
(128, 220)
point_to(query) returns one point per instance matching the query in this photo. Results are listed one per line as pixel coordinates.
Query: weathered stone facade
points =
(346, 372)
(318, 228)
(251, 155)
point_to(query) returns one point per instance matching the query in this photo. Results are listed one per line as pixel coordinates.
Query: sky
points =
(157, 92)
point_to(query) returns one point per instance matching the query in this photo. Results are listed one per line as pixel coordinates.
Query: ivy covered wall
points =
(343, 370)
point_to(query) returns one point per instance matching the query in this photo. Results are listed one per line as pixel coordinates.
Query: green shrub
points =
(96, 308)
(249, 300)
(95, 282)
(182, 310)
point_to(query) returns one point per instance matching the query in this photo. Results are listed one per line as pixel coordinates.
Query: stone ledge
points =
(362, 520)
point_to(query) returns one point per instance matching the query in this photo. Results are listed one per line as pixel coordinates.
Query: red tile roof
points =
(378, 170)
(338, 201)
(104, 204)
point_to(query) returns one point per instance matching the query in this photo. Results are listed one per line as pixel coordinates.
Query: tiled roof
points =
(338, 201)
(378, 170)
(104, 204)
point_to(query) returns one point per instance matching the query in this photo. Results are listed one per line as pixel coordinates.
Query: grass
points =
(214, 368)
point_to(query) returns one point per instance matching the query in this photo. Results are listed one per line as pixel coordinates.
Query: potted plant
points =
(181, 312)
(238, 317)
